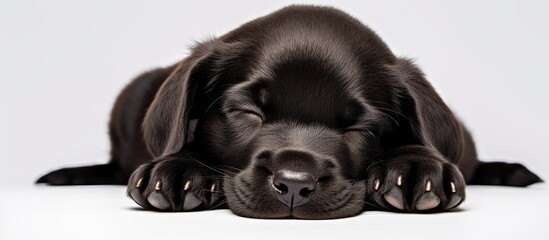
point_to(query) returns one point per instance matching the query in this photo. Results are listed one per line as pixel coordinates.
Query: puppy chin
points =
(255, 199)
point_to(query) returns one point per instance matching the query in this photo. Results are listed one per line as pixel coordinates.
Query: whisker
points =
(393, 111)
(389, 116)
(374, 163)
(221, 192)
(371, 204)
(234, 168)
(223, 168)
(208, 109)
(219, 204)
(388, 109)
(213, 169)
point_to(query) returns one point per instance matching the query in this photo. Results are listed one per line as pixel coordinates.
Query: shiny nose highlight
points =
(294, 188)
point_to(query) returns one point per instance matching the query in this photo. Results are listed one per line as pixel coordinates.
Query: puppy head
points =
(300, 129)
(297, 135)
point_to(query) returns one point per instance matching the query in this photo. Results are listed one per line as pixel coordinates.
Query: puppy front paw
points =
(175, 184)
(417, 181)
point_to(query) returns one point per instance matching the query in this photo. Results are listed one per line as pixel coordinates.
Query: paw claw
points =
(157, 186)
(399, 180)
(394, 197)
(428, 186)
(453, 187)
(427, 201)
(187, 186)
(213, 188)
(158, 201)
(138, 185)
(191, 202)
(376, 184)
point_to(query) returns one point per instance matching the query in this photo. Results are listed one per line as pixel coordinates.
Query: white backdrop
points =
(62, 64)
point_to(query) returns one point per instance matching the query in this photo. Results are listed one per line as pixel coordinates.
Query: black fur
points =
(306, 89)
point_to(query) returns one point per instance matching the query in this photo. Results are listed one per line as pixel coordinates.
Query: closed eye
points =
(245, 109)
(364, 131)
(250, 112)
(248, 115)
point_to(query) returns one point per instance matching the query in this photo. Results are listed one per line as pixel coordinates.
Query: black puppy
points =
(303, 113)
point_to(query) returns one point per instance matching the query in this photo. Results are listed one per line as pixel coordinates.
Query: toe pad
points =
(427, 201)
(191, 202)
(394, 197)
(158, 201)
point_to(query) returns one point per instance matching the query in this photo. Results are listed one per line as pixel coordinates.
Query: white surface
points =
(62, 63)
(105, 213)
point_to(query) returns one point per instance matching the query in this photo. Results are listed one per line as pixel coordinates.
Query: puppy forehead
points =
(312, 79)
(305, 90)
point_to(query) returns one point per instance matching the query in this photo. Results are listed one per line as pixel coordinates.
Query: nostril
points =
(293, 188)
(281, 188)
(305, 192)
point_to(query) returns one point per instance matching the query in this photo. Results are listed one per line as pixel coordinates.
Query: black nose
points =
(294, 188)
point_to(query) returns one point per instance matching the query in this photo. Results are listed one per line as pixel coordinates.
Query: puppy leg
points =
(506, 174)
(88, 175)
(177, 182)
(415, 179)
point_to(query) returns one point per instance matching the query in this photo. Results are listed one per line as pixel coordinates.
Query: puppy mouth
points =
(279, 196)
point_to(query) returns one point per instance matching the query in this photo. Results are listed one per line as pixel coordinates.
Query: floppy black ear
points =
(429, 118)
(166, 122)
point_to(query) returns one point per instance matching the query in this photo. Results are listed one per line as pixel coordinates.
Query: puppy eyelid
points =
(253, 113)
(360, 130)
(248, 111)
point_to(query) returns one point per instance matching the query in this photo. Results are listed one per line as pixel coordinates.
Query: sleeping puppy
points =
(304, 113)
